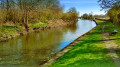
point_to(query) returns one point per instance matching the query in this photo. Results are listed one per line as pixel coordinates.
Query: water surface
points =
(32, 49)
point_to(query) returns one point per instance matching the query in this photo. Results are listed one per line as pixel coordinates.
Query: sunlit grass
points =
(110, 28)
(40, 24)
(89, 52)
(7, 31)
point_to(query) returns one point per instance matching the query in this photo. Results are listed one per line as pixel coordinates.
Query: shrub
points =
(114, 14)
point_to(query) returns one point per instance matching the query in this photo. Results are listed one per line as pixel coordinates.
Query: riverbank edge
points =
(7, 38)
(57, 55)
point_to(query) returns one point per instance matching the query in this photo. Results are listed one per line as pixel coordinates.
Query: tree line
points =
(113, 9)
(24, 12)
(87, 16)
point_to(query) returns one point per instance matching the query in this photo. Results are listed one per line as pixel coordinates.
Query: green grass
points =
(7, 31)
(40, 24)
(110, 28)
(7, 27)
(89, 52)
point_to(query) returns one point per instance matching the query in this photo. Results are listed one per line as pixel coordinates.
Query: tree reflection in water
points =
(34, 48)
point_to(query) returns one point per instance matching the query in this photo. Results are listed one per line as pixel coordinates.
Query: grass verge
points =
(89, 52)
(40, 24)
(109, 27)
(6, 31)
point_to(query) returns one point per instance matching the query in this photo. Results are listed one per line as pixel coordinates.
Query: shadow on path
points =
(111, 46)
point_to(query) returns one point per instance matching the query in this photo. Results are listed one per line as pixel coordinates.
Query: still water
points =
(32, 49)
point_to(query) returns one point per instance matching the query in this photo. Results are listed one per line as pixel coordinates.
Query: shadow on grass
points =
(90, 63)
(86, 53)
(95, 41)
(84, 48)
(89, 52)
(83, 57)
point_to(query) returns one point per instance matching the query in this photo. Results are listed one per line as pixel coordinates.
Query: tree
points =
(113, 7)
(114, 14)
(73, 13)
(105, 4)
(72, 9)
(26, 6)
(87, 16)
(26, 12)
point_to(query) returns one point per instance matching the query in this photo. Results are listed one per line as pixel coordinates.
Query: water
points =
(32, 49)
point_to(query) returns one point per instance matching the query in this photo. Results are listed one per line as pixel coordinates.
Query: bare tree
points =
(105, 4)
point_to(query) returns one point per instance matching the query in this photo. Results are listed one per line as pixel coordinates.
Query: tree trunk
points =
(26, 21)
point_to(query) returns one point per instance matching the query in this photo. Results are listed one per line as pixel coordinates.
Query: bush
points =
(114, 14)
(72, 17)
(87, 16)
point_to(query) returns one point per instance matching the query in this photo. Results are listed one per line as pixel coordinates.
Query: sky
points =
(83, 6)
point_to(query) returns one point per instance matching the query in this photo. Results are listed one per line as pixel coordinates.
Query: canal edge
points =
(57, 55)
(7, 38)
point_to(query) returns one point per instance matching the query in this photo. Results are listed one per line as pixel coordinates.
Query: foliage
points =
(100, 16)
(71, 15)
(25, 12)
(87, 16)
(40, 24)
(7, 27)
(8, 31)
(113, 11)
(105, 4)
(114, 14)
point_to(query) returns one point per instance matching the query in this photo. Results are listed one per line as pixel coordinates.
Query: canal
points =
(32, 49)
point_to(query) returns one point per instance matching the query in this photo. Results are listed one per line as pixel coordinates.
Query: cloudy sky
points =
(83, 6)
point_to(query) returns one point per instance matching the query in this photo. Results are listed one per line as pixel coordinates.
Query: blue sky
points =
(83, 6)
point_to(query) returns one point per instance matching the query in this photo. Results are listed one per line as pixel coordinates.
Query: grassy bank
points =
(89, 52)
(109, 27)
(7, 32)
(10, 31)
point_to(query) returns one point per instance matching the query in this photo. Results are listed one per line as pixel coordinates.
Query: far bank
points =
(11, 31)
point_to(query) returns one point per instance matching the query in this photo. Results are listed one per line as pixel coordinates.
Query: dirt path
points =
(111, 46)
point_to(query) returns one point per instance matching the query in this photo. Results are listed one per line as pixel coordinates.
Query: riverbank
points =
(56, 56)
(110, 27)
(89, 52)
(10, 31)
